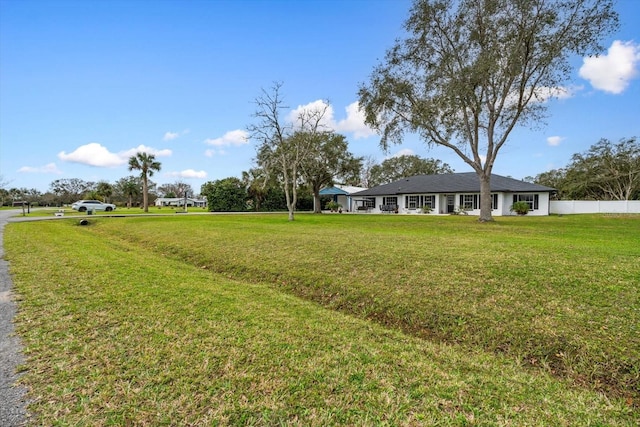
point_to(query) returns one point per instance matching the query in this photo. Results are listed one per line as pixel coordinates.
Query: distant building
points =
(179, 202)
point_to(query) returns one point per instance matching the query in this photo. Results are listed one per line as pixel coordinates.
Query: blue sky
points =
(85, 84)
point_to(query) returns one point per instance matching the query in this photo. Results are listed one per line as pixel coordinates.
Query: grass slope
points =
(120, 210)
(559, 293)
(136, 321)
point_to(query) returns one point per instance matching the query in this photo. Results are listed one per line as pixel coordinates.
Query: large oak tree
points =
(469, 71)
(329, 160)
(607, 171)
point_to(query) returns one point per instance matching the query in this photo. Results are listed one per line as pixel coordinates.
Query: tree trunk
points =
(291, 204)
(485, 197)
(317, 208)
(293, 201)
(145, 195)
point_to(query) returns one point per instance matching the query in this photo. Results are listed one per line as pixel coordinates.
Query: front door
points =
(451, 203)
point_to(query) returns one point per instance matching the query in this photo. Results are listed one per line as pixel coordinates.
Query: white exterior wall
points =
(345, 201)
(594, 206)
(505, 200)
(504, 204)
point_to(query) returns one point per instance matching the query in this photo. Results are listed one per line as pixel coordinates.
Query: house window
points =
(469, 201)
(421, 201)
(494, 201)
(531, 199)
(369, 202)
(390, 201)
(429, 202)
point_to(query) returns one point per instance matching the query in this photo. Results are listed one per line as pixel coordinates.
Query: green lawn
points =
(67, 211)
(197, 320)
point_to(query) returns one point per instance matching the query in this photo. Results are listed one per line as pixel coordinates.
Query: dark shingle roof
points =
(466, 182)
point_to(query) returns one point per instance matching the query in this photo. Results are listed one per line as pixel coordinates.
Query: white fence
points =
(594, 206)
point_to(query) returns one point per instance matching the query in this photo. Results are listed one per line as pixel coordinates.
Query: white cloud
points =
(613, 71)
(95, 154)
(168, 136)
(314, 106)
(188, 173)
(48, 168)
(554, 141)
(92, 154)
(404, 152)
(543, 94)
(144, 149)
(231, 138)
(215, 152)
(355, 122)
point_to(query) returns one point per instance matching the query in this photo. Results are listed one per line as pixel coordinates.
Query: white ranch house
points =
(180, 201)
(451, 193)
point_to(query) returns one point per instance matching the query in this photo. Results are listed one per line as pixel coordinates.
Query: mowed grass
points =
(120, 210)
(196, 321)
(557, 292)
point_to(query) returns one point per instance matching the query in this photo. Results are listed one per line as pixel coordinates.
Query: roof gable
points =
(340, 190)
(466, 182)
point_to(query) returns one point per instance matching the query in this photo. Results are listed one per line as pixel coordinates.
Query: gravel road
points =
(12, 397)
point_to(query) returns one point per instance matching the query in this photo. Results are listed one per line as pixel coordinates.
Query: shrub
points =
(333, 206)
(521, 208)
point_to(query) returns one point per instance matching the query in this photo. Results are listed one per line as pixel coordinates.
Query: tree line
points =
(128, 191)
(606, 171)
(258, 189)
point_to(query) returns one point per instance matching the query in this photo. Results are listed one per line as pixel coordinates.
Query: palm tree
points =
(147, 165)
(130, 187)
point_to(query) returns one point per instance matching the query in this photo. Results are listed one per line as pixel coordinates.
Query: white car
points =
(93, 205)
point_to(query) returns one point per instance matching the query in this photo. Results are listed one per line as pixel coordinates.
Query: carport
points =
(342, 194)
